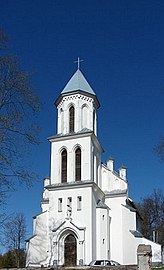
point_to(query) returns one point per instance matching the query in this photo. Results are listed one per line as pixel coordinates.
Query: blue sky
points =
(122, 45)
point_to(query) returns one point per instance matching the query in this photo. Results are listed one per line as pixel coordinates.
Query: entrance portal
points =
(70, 253)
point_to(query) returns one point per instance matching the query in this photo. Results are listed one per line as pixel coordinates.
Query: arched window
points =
(71, 119)
(85, 117)
(61, 121)
(78, 164)
(64, 166)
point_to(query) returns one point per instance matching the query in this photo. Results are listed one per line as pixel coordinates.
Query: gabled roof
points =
(78, 82)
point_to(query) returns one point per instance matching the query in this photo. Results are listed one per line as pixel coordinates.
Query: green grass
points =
(160, 267)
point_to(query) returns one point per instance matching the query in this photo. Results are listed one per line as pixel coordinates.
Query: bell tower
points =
(75, 150)
(77, 105)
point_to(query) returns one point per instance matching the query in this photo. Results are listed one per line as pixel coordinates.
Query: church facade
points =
(85, 210)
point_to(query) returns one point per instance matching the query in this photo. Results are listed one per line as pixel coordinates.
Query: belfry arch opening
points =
(70, 250)
(71, 119)
(61, 120)
(85, 116)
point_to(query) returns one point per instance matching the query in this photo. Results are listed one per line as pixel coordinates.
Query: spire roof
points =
(78, 82)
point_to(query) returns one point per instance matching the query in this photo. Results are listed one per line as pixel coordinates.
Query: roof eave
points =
(78, 91)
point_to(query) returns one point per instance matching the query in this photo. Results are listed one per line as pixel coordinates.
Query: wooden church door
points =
(70, 250)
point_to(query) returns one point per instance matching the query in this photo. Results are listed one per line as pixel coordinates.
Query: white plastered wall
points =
(129, 248)
(102, 234)
(81, 218)
(70, 145)
(116, 237)
(37, 247)
(111, 181)
(84, 113)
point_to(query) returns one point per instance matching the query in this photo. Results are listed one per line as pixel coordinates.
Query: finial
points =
(78, 62)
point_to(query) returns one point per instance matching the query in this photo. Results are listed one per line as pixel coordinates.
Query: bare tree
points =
(14, 235)
(151, 209)
(18, 108)
(159, 149)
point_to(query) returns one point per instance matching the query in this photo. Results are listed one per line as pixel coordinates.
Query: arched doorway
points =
(70, 250)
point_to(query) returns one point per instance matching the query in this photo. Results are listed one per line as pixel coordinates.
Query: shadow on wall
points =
(41, 248)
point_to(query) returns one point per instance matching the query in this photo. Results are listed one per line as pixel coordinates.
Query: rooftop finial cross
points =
(78, 62)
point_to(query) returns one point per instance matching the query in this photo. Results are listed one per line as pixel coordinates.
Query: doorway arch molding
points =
(68, 226)
(59, 235)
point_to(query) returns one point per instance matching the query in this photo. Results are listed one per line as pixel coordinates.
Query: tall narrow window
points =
(94, 121)
(69, 201)
(71, 119)
(60, 205)
(79, 202)
(85, 117)
(61, 128)
(78, 164)
(64, 166)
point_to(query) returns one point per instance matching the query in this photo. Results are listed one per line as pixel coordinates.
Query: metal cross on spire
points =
(78, 62)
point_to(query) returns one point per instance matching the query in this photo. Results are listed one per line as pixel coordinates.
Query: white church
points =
(86, 213)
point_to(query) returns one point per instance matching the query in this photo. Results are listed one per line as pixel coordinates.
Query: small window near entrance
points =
(60, 205)
(69, 201)
(79, 203)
